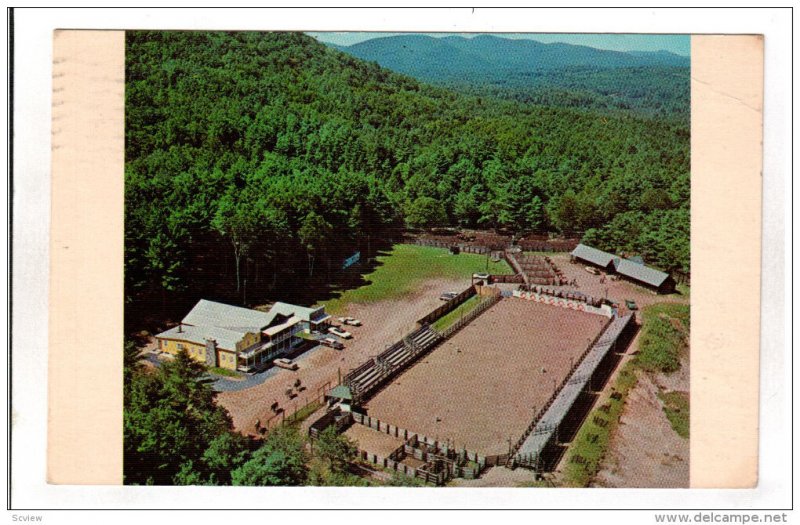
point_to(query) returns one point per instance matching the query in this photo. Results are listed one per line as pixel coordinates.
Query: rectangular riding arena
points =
(481, 388)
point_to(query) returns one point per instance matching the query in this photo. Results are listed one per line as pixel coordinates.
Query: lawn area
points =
(296, 419)
(676, 407)
(665, 334)
(224, 372)
(462, 309)
(400, 270)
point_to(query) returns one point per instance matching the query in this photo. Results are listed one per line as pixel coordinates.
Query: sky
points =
(678, 44)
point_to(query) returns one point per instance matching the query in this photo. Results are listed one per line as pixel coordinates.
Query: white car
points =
(350, 320)
(340, 333)
(288, 364)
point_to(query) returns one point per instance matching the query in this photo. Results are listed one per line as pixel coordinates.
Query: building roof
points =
(341, 392)
(640, 272)
(287, 309)
(592, 255)
(227, 324)
(236, 318)
(627, 267)
(291, 321)
(226, 339)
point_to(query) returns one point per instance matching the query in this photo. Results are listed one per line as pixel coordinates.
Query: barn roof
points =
(640, 272)
(627, 267)
(592, 255)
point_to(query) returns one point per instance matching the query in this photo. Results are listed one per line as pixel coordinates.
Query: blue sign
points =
(350, 261)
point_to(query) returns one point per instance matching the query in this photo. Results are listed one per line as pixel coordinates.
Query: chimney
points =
(180, 328)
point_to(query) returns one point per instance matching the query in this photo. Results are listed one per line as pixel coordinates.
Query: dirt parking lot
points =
(384, 323)
(482, 387)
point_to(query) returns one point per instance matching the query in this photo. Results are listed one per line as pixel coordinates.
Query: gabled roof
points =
(274, 329)
(226, 339)
(627, 267)
(238, 319)
(341, 392)
(287, 310)
(227, 324)
(593, 255)
(640, 272)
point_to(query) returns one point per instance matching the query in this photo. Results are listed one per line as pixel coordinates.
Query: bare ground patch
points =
(645, 451)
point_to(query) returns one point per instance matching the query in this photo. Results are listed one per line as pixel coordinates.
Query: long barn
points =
(636, 272)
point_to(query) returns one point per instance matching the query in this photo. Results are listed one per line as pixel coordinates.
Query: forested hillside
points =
(555, 75)
(255, 162)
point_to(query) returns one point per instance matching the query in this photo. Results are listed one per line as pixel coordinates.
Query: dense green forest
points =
(554, 75)
(256, 162)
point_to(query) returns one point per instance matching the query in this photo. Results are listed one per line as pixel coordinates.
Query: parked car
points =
(631, 304)
(593, 271)
(350, 321)
(339, 332)
(331, 342)
(288, 364)
(448, 296)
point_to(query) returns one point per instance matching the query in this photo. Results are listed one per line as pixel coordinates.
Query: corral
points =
(481, 388)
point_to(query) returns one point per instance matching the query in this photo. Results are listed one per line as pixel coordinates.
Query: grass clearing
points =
(665, 334)
(589, 446)
(401, 269)
(296, 419)
(463, 309)
(225, 372)
(676, 408)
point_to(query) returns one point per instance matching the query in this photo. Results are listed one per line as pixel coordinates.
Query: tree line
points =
(259, 161)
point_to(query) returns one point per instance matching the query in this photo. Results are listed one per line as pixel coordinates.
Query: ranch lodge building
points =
(225, 336)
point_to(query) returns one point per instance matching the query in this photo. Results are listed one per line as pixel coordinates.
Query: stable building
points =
(629, 269)
(226, 336)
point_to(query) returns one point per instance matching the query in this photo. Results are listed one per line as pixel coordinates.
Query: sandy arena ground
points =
(485, 383)
(373, 441)
(384, 323)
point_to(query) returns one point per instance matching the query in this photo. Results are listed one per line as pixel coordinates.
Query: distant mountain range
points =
(456, 57)
(557, 74)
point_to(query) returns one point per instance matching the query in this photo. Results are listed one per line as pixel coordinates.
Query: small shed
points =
(341, 395)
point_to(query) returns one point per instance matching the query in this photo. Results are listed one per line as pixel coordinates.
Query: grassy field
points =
(462, 309)
(399, 271)
(224, 372)
(665, 334)
(296, 419)
(676, 408)
(590, 444)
